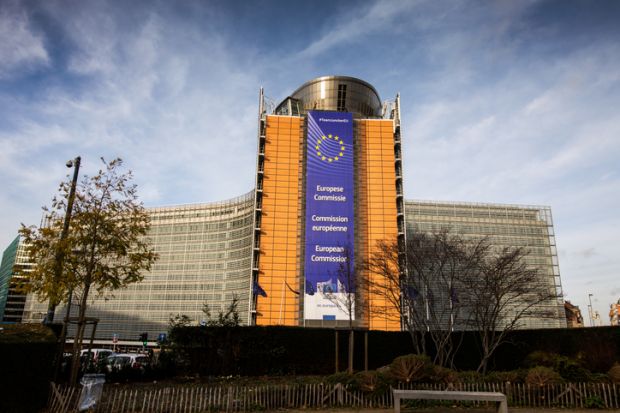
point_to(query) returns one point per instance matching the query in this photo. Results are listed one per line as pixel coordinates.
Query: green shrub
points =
(614, 373)
(513, 376)
(410, 368)
(443, 375)
(342, 378)
(594, 402)
(540, 376)
(469, 377)
(371, 382)
(570, 369)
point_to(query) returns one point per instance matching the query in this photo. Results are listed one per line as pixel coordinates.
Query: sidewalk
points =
(454, 410)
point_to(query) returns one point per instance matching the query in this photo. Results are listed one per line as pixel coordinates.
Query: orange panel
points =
(282, 166)
(376, 213)
(376, 186)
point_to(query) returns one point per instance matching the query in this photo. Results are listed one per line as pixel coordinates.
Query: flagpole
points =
(281, 303)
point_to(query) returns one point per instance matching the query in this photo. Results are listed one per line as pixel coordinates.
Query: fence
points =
(230, 399)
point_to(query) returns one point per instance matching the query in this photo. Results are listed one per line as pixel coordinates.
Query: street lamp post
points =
(60, 255)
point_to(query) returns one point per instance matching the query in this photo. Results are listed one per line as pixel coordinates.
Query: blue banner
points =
(329, 216)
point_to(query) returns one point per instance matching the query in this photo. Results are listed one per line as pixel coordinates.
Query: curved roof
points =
(347, 78)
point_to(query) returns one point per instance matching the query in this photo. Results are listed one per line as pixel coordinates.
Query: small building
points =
(614, 314)
(573, 315)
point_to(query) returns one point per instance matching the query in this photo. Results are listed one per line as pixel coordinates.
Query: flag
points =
(258, 290)
(411, 293)
(291, 289)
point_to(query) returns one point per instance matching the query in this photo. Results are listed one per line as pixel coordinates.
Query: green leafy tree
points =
(106, 247)
(179, 320)
(225, 318)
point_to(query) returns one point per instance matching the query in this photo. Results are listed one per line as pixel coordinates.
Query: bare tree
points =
(422, 282)
(105, 249)
(385, 277)
(502, 295)
(436, 262)
(440, 282)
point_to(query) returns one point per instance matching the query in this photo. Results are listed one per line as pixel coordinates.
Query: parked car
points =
(93, 360)
(97, 354)
(117, 362)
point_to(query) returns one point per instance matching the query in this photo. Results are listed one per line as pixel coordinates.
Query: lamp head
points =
(69, 164)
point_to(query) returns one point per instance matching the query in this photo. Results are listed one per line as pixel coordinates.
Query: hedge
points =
(251, 351)
(27, 352)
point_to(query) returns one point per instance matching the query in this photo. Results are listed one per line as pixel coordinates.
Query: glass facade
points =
(505, 226)
(204, 258)
(11, 299)
(6, 273)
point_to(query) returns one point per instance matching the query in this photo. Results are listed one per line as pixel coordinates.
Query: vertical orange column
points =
(376, 194)
(280, 232)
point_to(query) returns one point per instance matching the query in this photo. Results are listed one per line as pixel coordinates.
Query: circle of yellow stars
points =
(324, 157)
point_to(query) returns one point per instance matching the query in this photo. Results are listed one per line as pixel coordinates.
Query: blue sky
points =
(508, 102)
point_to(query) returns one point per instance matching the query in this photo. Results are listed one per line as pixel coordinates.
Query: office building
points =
(13, 269)
(530, 227)
(204, 258)
(328, 186)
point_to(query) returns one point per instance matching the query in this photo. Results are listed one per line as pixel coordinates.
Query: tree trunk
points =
(77, 345)
(351, 348)
(79, 336)
(486, 353)
(336, 350)
(482, 368)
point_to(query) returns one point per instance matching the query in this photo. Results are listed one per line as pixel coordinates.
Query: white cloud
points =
(20, 48)
(172, 101)
(355, 28)
(504, 136)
